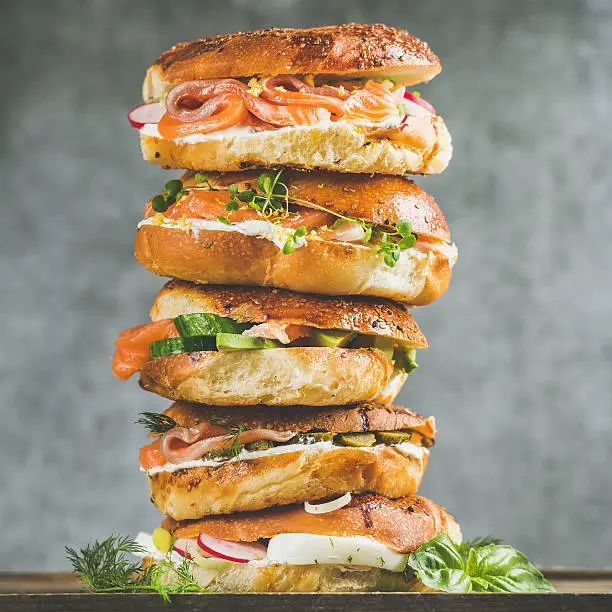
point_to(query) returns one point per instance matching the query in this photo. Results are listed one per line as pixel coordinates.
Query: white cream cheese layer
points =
(408, 449)
(254, 227)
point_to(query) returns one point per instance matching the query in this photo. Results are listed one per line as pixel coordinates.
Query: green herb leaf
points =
(232, 205)
(174, 186)
(158, 204)
(404, 227)
(224, 220)
(233, 189)
(105, 568)
(300, 232)
(155, 422)
(443, 565)
(201, 178)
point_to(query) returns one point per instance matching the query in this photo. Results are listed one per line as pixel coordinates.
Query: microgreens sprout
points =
(292, 241)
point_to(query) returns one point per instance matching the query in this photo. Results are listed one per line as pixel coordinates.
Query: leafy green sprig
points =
(293, 241)
(105, 568)
(269, 199)
(480, 566)
(155, 422)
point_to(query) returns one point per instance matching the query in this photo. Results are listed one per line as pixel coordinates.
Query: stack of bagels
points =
(295, 245)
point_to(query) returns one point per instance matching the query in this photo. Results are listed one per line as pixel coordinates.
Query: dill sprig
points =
(155, 422)
(104, 567)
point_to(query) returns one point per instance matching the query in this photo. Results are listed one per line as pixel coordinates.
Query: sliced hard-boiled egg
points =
(309, 549)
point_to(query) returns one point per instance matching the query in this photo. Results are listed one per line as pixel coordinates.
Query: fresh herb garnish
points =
(392, 243)
(481, 566)
(293, 241)
(104, 567)
(155, 422)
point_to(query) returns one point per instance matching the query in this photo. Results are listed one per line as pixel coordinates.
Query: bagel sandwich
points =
(225, 346)
(316, 232)
(332, 98)
(209, 460)
(362, 546)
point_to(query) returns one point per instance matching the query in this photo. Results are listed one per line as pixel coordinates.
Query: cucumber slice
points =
(355, 439)
(404, 359)
(206, 324)
(236, 342)
(311, 437)
(259, 445)
(334, 338)
(226, 452)
(393, 437)
(381, 343)
(173, 346)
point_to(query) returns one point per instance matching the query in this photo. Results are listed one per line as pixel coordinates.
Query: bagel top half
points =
(349, 51)
(344, 221)
(283, 348)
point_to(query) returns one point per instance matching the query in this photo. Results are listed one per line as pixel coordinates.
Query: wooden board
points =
(578, 590)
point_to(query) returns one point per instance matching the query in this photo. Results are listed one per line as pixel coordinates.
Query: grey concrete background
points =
(519, 370)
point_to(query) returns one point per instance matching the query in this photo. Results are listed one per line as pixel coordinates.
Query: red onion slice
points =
(239, 552)
(146, 113)
(330, 506)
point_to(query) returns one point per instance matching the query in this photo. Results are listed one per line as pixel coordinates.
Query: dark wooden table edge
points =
(311, 602)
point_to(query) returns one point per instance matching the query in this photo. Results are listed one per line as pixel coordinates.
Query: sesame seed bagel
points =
(347, 51)
(201, 253)
(314, 376)
(295, 474)
(257, 305)
(400, 524)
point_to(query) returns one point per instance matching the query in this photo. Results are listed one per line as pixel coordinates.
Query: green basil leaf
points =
(506, 570)
(443, 565)
(438, 565)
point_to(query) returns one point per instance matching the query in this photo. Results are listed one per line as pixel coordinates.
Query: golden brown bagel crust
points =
(340, 419)
(400, 524)
(287, 478)
(257, 305)
(350, 51)
(424, 147)
(320, 266)
(314, 376)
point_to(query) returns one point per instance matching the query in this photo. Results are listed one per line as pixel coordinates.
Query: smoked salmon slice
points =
(132, 346)
(209, 205)
(151, 455)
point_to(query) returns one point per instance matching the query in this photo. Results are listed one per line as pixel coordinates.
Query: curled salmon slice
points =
(227, 112)
(374, 103)
(286, 90)
(132, 346)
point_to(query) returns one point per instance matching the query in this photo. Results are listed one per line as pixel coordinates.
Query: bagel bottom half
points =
(286, 478)
(281, 578)
(311, 376)
(320, 266)
(425, 148)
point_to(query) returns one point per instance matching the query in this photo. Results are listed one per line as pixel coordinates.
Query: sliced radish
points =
(239, 552)
(418, 100)
(180, 547)
(146, 113)
(329, 506)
